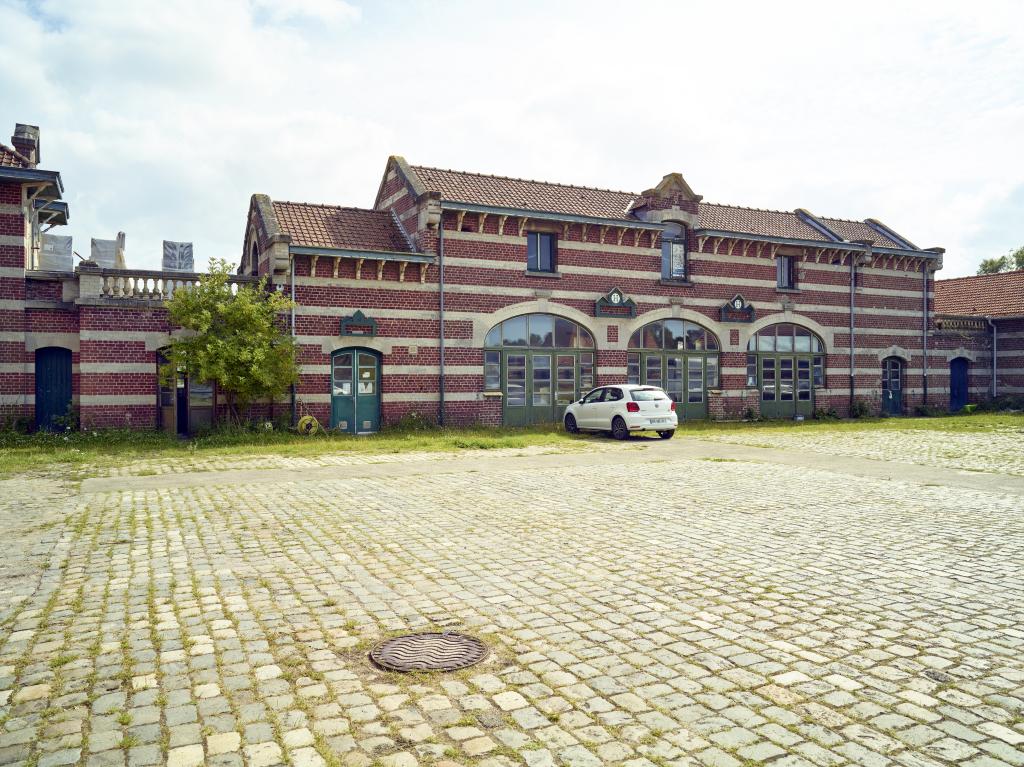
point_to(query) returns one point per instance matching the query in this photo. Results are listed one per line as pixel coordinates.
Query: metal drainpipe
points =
(995, 353)
(440, 330)
(853, 281)
(924, 333)
(291, 263)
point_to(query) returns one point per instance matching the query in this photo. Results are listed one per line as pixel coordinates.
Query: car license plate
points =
(659, 420)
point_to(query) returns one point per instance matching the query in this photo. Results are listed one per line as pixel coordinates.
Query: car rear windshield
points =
(646, 395)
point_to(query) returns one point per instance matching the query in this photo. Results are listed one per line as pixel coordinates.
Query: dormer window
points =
(674, 257)
(540, 252)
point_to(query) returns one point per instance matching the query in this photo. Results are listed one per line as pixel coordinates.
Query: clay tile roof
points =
(331, 226)
(991, 295)
(771, 223)
(858, 230)
(523, 194)
(9, 158)
(542, 196)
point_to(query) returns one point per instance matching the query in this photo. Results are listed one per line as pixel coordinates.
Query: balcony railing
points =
(142, 285)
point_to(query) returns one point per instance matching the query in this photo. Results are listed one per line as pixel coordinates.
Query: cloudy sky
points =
(165, 116)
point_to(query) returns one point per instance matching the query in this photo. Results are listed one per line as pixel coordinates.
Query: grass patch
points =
(978, 423)
(78, 451)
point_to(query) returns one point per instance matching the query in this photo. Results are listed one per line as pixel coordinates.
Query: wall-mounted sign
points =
(737, 310)
(615, 304)
(358, 325)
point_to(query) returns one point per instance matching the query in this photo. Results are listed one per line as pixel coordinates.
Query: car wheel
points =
(666, 434)
(570, 424)
(619, 430)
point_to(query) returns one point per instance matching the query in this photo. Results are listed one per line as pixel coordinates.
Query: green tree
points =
(235, 337)
(1012, 261)
(994, 265)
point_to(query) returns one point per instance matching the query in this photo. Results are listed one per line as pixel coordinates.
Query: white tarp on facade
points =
(55, 254)
(109, 253)
(178, 256)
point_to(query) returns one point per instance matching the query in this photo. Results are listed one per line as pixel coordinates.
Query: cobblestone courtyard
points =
(689, 602)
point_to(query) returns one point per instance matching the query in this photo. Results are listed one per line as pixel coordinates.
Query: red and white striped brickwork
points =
(115, 340)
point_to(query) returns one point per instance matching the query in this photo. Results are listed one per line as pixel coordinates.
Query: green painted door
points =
(892, 386)
(355, 391)
(786, 386)
(682, 376)
(53, 386)
(539, 385)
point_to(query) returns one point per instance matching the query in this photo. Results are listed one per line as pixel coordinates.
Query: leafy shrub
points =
(929, 411)
(860, 409)
(826, 415)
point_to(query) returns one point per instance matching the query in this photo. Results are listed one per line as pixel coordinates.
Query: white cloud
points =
(165, 117)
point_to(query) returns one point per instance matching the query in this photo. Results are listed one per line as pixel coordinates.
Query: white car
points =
(623, 408)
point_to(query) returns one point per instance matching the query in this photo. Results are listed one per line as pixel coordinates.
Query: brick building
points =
(979, 333)
(486, 299)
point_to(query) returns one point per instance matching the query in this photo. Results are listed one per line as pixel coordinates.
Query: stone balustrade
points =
(156, 286)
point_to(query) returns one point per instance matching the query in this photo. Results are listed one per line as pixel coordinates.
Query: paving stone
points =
(185, 756)
(223, 743)
(263, 754)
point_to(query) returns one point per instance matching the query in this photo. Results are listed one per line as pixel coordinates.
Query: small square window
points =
(540, 252)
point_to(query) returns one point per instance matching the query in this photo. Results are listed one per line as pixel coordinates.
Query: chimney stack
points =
(26, 142)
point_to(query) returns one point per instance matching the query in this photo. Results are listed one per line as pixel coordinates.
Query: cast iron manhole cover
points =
(428, 652)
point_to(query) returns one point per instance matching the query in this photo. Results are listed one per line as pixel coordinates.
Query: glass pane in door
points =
(342, 384)
(566, 392)
(541, 379)
(586, 371)
(653, 370)
(367, 374)
(694, 379)
(786, 379)
(515, 380)
(768, 379)
(674, 378)
(803, 380)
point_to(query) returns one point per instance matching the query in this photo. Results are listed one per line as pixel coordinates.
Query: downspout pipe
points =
(924, 332)
(853, 285)
(995, 356)
(440, 330)
(855, 260)
(291, 275)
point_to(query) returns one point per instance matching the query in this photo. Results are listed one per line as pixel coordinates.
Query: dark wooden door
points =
(53, 386)
(957, 384)
(892, 386)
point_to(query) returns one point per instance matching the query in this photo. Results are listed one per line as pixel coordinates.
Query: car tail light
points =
(672, 406)
(632, 407)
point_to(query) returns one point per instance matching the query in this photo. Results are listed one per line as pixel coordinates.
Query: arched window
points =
(785, 337)
(254, 259)
(539, 330)
(678, 356)
(674, 334)
(540, 363)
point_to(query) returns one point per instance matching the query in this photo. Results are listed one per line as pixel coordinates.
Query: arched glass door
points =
(678, 356)
(540, 363)
(786, 363)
